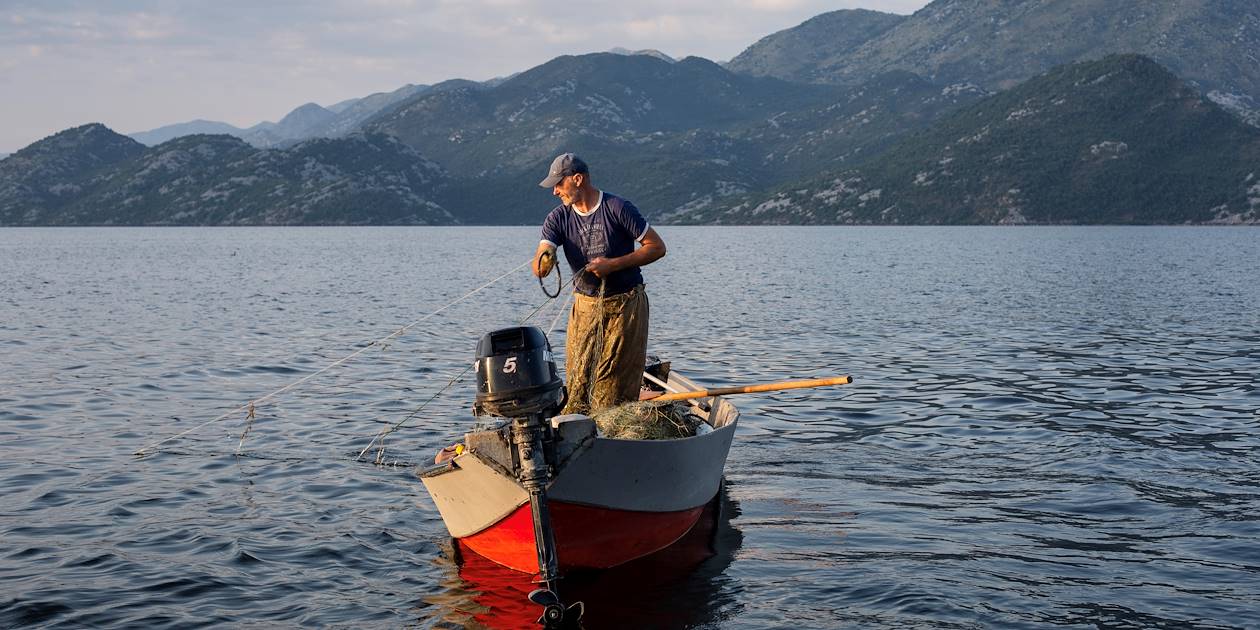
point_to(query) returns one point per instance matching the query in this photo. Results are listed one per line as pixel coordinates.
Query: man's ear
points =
(579, 179)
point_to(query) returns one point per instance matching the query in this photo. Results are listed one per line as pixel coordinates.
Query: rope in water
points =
(380, 437)
(253, 404)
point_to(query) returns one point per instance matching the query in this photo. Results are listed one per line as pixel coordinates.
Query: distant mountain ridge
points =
(649, 52)
(313, 121)
(1212, 44)
(219, 180)
(1116, 141)
(190, 128)
(303, 123)
(1120, 140)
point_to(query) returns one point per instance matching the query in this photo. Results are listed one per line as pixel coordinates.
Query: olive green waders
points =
(605, 350)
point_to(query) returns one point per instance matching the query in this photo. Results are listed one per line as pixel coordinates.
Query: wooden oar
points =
(749, 389)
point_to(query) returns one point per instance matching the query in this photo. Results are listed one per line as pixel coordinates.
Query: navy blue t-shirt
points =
(610, 230)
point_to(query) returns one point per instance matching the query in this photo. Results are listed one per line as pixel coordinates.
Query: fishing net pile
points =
(647, 420)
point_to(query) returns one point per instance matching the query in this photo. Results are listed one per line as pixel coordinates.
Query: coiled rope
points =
(253, 404)
(549, 254)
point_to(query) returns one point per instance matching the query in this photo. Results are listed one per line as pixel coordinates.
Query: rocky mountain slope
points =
(854, 126)
(806, 52)
(221, 180)
(1119, 140)
(58, 170)
(1212, 44)
(641, 121)
(668, 134)
(603, 96)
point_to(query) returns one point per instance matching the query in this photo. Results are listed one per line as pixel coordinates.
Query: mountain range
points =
(370, 179)
(314, 121)
(968, 111)
(1144, 147)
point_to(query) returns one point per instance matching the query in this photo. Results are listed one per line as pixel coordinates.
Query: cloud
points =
(773, 5)
(147, 27)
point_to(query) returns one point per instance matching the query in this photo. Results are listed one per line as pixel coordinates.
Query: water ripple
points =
(1047, 427)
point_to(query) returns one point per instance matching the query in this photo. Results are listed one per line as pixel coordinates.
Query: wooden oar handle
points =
(749, 389)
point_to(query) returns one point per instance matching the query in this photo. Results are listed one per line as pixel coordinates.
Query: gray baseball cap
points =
(563, 166)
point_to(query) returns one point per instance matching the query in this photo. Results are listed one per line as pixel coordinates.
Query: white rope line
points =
(254, 403)
(386, 431)
(562, 310)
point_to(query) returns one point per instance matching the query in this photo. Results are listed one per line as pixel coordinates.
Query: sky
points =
(136, 65)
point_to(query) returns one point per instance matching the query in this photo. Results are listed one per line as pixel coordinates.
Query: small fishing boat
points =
(610, 500)
(544, 494)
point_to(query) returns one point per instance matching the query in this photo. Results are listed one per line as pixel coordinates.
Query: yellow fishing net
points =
(647, 420)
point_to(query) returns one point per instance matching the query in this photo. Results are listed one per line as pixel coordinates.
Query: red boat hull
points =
(587, 537)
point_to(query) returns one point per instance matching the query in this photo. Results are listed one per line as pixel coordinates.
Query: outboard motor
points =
(517, 379)
(516, 374)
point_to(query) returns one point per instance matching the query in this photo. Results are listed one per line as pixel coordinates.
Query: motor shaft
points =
(529, 434)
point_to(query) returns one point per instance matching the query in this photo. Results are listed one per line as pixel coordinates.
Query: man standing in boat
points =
(606, 347)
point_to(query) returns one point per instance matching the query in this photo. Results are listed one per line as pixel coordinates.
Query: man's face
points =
(566, 189)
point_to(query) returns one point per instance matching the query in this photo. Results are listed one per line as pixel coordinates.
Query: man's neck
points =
(587, 201)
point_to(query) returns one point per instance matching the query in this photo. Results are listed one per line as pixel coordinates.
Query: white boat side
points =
(649, 475)
(473, 495)
(632, 475)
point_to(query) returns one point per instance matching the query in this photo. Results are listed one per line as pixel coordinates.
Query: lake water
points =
(1048, 427)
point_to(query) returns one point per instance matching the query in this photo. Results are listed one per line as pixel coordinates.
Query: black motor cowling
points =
(516, 374)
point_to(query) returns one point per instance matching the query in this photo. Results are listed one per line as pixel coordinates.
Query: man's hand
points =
(653, 248)
(602, 267)
(543, 264)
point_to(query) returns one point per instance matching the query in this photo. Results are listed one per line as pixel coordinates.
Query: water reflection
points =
(681, 586)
